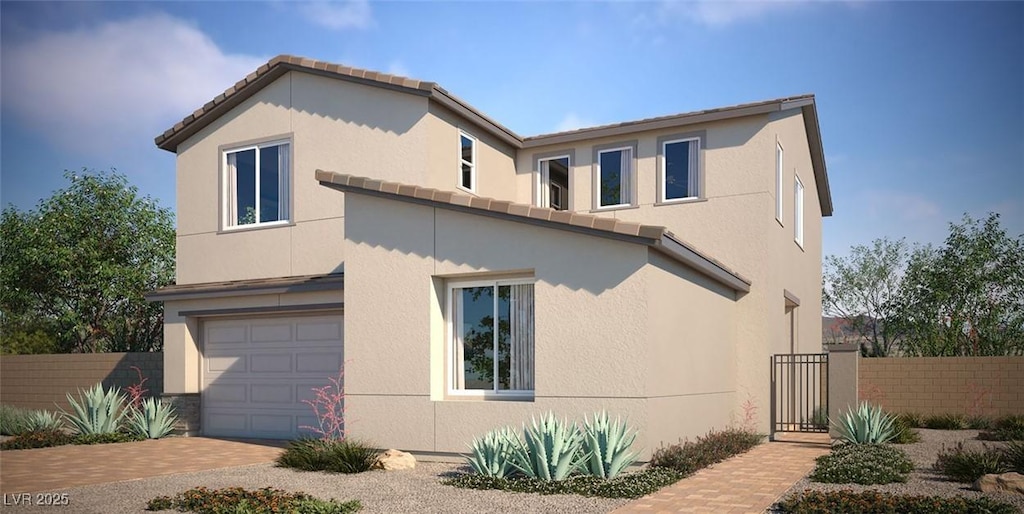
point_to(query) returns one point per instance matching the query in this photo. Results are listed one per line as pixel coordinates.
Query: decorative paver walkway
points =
(747, 483)
(48, 469)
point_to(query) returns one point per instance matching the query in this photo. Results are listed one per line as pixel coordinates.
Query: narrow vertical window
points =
(680, 169)
(614, 176)
(467, 161)
(778, 182)
(553, 185)
(798, 209)
(257, 185)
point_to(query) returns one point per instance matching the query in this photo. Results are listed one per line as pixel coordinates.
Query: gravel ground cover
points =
(417, 490)
(924, 481)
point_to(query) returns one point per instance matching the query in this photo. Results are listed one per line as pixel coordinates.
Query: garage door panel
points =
(257, 373)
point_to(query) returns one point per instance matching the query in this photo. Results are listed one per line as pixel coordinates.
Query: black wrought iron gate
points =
(799, 393)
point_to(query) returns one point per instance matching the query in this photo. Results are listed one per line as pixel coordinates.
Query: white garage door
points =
(257, 372)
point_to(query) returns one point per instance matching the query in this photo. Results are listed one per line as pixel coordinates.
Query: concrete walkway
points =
(747, 483)
(48, 469)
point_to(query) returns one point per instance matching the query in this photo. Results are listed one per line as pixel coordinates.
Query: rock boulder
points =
(392, 460)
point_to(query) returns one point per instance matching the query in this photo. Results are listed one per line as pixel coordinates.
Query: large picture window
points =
(614, 177)
(257, 184)
(492, 338)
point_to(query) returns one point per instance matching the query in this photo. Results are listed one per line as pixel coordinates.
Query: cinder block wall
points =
(39, 381)
(990, 386)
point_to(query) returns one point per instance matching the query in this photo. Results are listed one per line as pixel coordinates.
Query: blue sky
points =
(921, 104)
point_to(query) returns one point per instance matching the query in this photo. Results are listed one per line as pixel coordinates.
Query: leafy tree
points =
(967, 297)
(76, 267)
(861, 290)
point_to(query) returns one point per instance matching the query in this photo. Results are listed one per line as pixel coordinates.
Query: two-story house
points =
(468, 277)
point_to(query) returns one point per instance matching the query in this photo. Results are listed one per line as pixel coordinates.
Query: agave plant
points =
(42, 421)
(152, 419)
(866, 425)
(492, 455)
(96, 411)
(607, 443)
(553, 449)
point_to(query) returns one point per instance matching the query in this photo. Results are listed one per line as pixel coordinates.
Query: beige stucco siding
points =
(182, 335)
(495, 167)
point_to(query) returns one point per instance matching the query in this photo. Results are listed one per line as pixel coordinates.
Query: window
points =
(467, 159)
(778, 182)
(614, 175)
(798, 209)
(680, 169)
(553, 186)
(257, 184)
(491, 327)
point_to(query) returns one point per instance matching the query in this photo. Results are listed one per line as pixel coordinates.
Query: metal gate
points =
(799, 393)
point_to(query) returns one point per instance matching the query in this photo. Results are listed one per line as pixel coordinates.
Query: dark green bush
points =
(871, 502)
(339, 456)
(1013, 454)
(1007, 428)
(116, 437)
(911, 419)
(41, 439)
(904, 432)
(978, 422)
(946, 422)
(865, 464)
(709, 449)
(626, 485)
(201, 500)
(967, 465)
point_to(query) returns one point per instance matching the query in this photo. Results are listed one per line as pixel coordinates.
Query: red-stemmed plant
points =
(136, 391)
(329, 408)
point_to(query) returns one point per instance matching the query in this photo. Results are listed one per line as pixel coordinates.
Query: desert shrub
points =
(40, 439)
(151, 419)
(967, 465)
(978, 422)
(865, 464)
(1013, 454)
(18, 421)
(625, 485)
(201, 500)
(1007, 428)
(336, 455)
(114, 437)
(688, 457)
(866, 425)
(903, 432)
(96, 411)
(607, 445)
(491, 455)
(946, 422)
(871, 502)
(552, 449)
(911, 419)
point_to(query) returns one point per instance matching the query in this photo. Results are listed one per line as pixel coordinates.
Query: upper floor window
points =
(778, 182)
(553, 186)
(492, 337)
(467, 161)
(680, 170)
(798, 209)
(257, 184)
(614, 177)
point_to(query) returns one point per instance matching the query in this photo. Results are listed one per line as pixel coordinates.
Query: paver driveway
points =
(47, 469)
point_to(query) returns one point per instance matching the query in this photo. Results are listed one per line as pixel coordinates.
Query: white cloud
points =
(572, 122)
(118, 84)
(898, 206)
(715, 13)
(341, 15)
(397, 67)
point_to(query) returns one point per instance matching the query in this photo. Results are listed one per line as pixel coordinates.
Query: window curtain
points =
(543, 198)
(283, 174)
(693, 175)
(626, 177)
(232, 203)
(458, 351)
(522, 337)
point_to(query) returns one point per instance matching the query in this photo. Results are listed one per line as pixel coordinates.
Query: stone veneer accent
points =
(187, 408)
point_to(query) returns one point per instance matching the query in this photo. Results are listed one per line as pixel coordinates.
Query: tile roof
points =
(650, 235)
(253, 286)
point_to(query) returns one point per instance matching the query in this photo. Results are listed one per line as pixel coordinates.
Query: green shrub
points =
(115, 437)
(946, 422)
(1007, 428)
(978, 422)
(903, 432)
(153, 419)
(967, 465)
(626, 485)
(553, 449)
(42, 420)
(18, 421)
(865, 464)
(96, 411)
(607, 445)
(911, 419)
(201, 500)
(688, 457)
(1013, 455)
(866, 425)
(41, 439)
(492, 455)
(871, 502)
(336, 455)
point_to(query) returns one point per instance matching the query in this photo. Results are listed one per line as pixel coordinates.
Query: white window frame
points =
(542, 198)
(798, 209)
(284, 192)
(692, 177)
(628, 179)
(450, 370)
(778, 182)
(462, 162)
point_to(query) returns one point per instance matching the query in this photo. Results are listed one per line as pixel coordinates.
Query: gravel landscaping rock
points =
(417, 490)
(924, 481)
